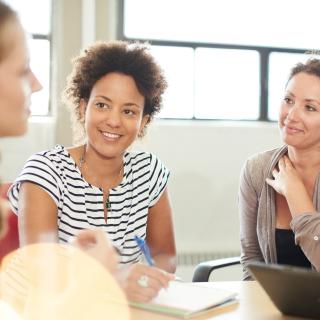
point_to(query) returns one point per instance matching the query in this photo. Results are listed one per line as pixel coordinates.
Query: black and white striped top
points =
(80, 205)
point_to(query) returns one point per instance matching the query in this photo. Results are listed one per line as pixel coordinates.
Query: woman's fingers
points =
(143, 282)
(87, 238)
(160, 276)
(96, 244)
(275, 173)
(281, 164)
(287, 162)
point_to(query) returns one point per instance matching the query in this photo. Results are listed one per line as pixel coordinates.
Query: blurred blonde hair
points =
(7, 17)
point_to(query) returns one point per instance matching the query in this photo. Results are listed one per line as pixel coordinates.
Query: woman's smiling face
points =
(113, 115)
(299, 119)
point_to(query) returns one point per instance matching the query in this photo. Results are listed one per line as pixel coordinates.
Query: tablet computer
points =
(294, 290)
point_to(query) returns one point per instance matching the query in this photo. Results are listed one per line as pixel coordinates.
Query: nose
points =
(113, 117)
(35, 84)
(293, 113)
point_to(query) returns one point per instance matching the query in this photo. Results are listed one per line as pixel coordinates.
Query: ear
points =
(82, 109)
(145, 120)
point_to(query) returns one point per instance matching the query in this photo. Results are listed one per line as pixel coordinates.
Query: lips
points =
(110, 136)
(291, 129)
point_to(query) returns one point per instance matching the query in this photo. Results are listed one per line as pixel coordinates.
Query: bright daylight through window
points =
(39, 28)
(224, 59)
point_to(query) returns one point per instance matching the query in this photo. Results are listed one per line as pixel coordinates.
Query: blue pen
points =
(144, 249)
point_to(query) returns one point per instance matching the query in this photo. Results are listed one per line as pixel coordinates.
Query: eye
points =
(288, 100)
(101, 105)
(129, 112)
(310, 108)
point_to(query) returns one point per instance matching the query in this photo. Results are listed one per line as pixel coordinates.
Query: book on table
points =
(184, 300)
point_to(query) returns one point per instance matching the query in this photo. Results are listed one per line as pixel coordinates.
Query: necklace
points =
(82, 160)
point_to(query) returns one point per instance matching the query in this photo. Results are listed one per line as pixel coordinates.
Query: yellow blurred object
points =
(54, 281)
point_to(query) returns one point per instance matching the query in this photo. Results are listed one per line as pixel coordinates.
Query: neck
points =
(305, 159)
(101, 168)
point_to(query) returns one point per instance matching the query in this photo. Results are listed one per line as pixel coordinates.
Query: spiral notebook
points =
(184, 300)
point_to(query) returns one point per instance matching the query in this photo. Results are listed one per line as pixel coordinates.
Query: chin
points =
(20, 130)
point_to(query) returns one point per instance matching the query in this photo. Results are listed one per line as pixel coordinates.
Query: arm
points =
(37, 215)
(160, 235)
(306, 228)
(161, 242)
(248, 207)
(35, 227)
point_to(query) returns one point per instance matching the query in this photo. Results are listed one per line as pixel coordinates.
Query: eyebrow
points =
(307, 100)
(126, 104)
(313, 100)
(289, 92)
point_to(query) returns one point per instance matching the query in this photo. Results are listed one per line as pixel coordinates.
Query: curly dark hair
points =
(311, 66)
(101, 58)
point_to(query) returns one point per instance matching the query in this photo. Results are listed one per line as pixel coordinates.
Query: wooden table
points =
(253, 304)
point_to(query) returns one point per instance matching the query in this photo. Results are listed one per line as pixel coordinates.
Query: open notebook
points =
(182, 299)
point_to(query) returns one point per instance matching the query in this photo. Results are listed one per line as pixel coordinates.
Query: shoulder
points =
(141, 159)
(55, 162)
(144, 161)
(136, 157)
(54, 156)
(257, 166)
(261, 161)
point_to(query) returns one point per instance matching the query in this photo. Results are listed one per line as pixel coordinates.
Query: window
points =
(35, 16)
(224, 59)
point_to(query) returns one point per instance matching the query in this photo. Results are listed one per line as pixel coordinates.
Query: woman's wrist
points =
(299, 201)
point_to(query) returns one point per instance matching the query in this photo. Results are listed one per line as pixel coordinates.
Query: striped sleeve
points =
(40, 170)
(159, 175)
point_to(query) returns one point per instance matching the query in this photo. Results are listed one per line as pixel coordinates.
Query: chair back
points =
(10, 241)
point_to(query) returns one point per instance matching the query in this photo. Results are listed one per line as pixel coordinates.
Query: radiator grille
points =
(193, 258)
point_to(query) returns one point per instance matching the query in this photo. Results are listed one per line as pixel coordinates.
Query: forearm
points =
(30, 233)
(250, 252)
(299, 201)
(166, 262)
(306, 228)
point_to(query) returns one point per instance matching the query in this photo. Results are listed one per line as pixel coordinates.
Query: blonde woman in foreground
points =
(36, 272)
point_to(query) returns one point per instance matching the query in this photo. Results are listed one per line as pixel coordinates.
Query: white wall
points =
(15, 151)
(205, 158)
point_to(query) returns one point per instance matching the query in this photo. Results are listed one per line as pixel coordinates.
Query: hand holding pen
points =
(146, 253)
(144, 249)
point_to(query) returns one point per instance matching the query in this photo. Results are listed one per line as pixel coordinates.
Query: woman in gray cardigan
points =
(279, 196)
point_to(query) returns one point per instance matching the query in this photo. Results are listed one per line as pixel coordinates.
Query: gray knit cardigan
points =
(258, 217)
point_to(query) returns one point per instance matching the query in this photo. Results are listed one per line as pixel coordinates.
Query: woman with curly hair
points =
(114, 91)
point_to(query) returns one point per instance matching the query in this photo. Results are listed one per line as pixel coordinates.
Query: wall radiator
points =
(193, 258)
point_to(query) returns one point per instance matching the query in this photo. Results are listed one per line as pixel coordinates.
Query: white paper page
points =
(191, 297)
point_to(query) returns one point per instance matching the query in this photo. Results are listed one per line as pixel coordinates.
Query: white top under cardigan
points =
(80, 205)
